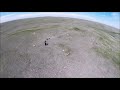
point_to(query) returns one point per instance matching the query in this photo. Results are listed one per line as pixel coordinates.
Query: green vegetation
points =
(75, 28)
(112, 33)
(78, 29)
(108, 46)
(25, 31)
(33, 29)
(108, 53)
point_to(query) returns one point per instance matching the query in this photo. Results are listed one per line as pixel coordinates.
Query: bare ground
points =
(76, 49)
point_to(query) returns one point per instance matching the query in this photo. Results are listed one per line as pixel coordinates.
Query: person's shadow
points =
(46, 43)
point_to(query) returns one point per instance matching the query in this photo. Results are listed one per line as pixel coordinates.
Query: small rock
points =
(33, 45)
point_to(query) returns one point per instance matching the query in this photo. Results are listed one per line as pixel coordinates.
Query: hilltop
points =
(59, 47)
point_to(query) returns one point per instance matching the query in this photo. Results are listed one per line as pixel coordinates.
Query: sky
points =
(108, 18)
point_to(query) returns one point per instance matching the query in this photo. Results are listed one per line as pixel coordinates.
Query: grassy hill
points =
(76, 48)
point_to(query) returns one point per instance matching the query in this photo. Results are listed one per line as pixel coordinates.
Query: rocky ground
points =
(52, 47)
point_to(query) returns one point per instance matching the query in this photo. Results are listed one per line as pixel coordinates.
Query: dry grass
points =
(66, 49)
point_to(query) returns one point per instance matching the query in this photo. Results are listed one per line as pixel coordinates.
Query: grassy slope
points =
(108, 46)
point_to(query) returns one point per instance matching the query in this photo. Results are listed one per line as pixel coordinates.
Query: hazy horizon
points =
(108, 18)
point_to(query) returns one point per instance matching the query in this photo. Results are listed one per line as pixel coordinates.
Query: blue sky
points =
(109, 18)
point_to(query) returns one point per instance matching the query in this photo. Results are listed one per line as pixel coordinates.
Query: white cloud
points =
(7, 15)
(104, 15)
